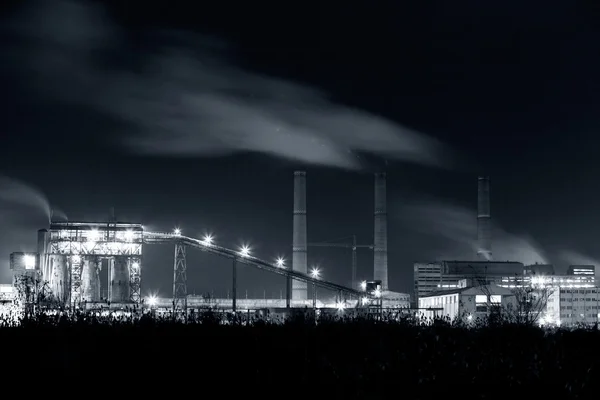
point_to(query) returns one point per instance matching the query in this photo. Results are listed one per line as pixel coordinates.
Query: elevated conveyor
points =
(162, 237)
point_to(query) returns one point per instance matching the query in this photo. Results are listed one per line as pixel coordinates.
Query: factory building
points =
(471, 302)
(570, 306)
(72, 255)
(443, 275)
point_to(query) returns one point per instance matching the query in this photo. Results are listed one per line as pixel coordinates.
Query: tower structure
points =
(380, 255)
(484, 222)
(299, 240)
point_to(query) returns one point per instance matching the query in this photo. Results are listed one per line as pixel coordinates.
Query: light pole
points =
(315, 273)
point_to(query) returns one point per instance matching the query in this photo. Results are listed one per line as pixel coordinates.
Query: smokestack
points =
(299, 243)
(380, 271)
(484, 222)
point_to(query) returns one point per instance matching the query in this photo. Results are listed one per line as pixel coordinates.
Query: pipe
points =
(380, 268)
(484, 222)
(299, 241)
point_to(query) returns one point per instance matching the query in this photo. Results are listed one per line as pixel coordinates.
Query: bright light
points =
(245, 251)
(135, 265)
(340, 306)
(469, 317)
(29, 261)
(280, 262)
(177, 232)
(377, 293)
(152, 301)
(93, 236)
(75, 259)
(315, 273)
(129, 236)
(365, 300)
(363, 285)
(208, 240)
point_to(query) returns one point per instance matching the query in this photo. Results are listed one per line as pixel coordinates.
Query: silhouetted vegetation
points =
(216, 355)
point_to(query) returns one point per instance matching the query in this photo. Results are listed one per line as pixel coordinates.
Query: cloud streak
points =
(453, 229)
(187, 97)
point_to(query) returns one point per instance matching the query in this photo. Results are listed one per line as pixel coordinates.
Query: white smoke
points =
(189, 99)
(453, 229)
(23, 210)
(17, 193)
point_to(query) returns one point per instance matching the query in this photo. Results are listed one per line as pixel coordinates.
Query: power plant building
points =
(469, 302)
(573, 305)
(72, 255)
(444, 275)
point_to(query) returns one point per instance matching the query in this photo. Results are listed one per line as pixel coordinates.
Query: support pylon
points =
(180, 280)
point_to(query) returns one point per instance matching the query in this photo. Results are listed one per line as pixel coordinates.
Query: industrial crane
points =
(353, 246)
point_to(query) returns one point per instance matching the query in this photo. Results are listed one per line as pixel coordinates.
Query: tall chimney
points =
(484, 223)
(380, 271)
(299, 244)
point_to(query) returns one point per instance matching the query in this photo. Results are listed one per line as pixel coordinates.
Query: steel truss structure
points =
(82, 243)
(179, 240)
(179, 279)
(79, 240)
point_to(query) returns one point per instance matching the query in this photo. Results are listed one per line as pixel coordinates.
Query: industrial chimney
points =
(299, 243)
(484, 223)
(380, 271)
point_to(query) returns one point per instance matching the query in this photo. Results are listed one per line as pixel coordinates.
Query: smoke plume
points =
(16, 193)
(452, 231)
(184, 95)
(23, 209)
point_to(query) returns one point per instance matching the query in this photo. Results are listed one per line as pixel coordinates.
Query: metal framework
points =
(75, 266)
(76, 240)
(162, 237)
(135, 280)
(179, 279)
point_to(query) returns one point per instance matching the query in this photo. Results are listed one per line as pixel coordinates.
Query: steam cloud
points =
(14, 192)
(188, 99)
(23, 209)
(456, 228)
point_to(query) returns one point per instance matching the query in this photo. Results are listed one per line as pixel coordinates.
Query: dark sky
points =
(197, 117)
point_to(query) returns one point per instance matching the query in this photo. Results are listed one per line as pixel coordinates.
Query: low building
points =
(7, 293)
(570, 306)
(470, 302)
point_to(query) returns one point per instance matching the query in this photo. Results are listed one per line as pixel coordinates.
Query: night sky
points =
(197, 118)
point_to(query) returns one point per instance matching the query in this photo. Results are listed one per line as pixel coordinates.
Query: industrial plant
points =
(99, 265)
(472, 289)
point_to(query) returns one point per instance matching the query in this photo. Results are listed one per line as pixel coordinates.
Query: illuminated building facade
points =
(570, 306)
(469, 302)
(72, 256)
(445, 275)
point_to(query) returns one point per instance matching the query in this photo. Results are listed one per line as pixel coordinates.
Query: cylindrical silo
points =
(484, 221)
(59, 281)
(299, 241)
(42, 245)
(380, 256)
(119, 279)
(90, 279)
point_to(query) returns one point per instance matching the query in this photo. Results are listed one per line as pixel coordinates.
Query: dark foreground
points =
(298, 360)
